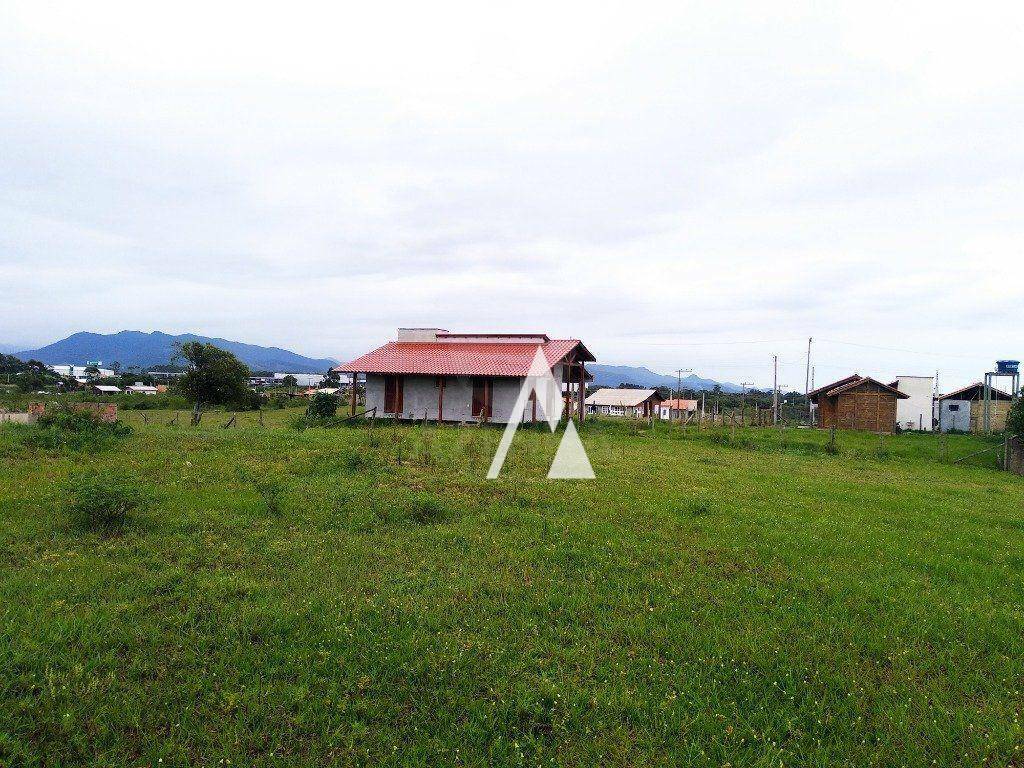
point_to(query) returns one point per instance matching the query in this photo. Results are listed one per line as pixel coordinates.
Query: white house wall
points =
(419, 398)
(916, 411)
(955, 415)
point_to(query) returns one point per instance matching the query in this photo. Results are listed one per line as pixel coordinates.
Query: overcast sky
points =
(695, 186)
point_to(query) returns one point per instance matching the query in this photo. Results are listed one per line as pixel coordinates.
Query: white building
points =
(917, 411)
(78, 373)
(677, 409)
(301, 379)
(138, 388)
(634, 403)
(464, 377)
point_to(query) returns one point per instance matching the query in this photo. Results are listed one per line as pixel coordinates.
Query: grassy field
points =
(354, 596)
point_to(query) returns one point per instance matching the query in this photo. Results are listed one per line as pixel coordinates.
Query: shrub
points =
(101, 501)
(321, 407)
(69, 429)
(1015, 419)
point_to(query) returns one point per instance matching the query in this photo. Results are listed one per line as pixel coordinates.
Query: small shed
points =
(857, 402)
(638, 403)
(963, 410)
(106, 389)
(677, 409)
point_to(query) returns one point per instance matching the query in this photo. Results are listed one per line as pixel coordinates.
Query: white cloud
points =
(656, 179)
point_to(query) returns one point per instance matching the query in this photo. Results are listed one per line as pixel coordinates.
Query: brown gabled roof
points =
(975, 390)
(852, 382)
(833, 385)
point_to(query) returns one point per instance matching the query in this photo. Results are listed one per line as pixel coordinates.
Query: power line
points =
(711, 343)
(898, 349)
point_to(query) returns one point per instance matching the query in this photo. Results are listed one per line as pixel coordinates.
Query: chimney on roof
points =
(419, 334)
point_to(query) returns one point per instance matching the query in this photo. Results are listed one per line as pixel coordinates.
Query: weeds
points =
(101, 502)
(70, 430)
(269, 486)
(426, 509)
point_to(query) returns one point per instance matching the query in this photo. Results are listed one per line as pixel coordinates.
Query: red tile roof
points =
(680, 404)
(457, 358)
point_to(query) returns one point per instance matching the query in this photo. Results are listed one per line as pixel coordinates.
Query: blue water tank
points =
(1007, 366)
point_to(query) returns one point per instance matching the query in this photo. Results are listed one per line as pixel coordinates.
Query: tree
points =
(289, 381)
(213, 376)
(332, 378)
(1015, 419)
(116, 368)
(91, 372)
(35, 376)
(11, 364)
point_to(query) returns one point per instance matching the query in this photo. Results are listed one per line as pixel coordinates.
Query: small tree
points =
(213, 376)
(322, 406)
(91, 372)
(290, 381)
(332, 378)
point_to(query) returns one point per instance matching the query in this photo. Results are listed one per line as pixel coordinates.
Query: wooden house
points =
(857, 402)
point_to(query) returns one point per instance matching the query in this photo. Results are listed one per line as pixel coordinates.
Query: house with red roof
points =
(432, 374)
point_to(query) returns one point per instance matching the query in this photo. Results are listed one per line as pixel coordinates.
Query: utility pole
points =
(775, 390)
(679, 391)
(807, 380)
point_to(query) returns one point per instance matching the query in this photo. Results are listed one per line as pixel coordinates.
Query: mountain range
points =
(613, 375)
(146, 349)
(156, 348)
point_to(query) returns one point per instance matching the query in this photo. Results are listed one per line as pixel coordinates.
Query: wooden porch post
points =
(583, 390)
(355, 380)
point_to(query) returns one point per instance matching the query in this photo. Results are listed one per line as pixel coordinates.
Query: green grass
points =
(354, 596)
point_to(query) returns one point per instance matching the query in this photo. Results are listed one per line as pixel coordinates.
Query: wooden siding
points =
(867, 407)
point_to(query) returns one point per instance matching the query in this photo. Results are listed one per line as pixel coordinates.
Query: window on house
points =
(483, 391)
(393, 386)
(954, 407)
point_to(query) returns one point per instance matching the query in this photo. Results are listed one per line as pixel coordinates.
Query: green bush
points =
(1015, 419)
(67, 429)
(321, 407)
(101, 502)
